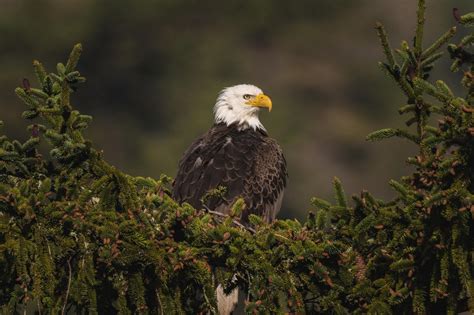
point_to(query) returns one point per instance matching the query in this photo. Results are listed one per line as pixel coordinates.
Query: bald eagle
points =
(236, 154)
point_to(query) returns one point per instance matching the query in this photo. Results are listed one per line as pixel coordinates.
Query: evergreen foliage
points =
(75, 231)
(79, 236)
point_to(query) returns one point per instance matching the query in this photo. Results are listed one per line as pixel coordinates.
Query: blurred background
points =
(154, 69)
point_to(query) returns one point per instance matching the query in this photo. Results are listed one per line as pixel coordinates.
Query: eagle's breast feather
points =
(246, 162)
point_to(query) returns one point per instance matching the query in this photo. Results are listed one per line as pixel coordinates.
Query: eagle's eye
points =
(247, 96)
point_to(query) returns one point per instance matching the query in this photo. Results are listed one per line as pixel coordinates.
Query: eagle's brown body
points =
(247, 162)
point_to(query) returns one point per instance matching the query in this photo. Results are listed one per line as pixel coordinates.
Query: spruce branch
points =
(340, 194)
(385, 44)
(40, 72)
(430, 60)
(400, 188)
(420, 25)
(467, 19)
(391, 132)
(73, 59)
(320, 203)
(428, 52)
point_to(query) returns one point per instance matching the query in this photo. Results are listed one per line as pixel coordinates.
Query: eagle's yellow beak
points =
(261, 100)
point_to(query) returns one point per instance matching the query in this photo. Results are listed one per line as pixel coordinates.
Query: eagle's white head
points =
(240, 105)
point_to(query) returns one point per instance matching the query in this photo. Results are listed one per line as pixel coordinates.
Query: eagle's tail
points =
(226, 303)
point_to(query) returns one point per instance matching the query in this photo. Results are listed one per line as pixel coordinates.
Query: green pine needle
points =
(439, 43)
(340, 194)
(73, 58)
(467, 19)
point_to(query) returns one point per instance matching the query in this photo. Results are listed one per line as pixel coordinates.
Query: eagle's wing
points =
(265, 186)
(247, 163)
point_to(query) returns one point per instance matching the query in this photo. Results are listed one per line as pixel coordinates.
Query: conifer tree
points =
(414, 254)
(78, 235)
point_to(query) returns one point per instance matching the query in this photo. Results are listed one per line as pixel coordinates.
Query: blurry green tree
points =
(77, 235)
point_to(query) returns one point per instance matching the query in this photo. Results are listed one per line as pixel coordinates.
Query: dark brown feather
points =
(248, 163)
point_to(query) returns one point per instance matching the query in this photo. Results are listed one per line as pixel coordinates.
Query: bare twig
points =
(68, 286)
(457, 15)
(282, 237)
(39, 306)
(236, 222)
(159, 302)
